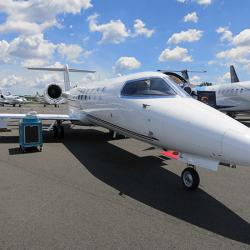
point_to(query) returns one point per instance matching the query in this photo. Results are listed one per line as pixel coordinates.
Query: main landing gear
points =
(58, 129)
(190, 178)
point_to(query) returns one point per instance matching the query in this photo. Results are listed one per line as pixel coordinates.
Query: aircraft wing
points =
(40, 116)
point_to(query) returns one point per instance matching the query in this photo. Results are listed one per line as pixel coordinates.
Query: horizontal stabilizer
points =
(63, 69)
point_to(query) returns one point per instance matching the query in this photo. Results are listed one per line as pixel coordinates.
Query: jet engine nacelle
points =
(53, 94)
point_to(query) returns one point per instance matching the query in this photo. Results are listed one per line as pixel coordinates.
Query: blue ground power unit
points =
(30, 133)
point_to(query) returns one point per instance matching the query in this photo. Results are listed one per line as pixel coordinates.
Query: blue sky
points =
(121, 37)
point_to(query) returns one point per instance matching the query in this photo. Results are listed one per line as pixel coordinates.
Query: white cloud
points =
(115, 31)
(87, 78)
(190, 35)
(195, 79)
(141, 30)
(34, 62)
(224, 78)
(32, 17)
(243, 38)
(203, 2)
(176, 54)
(48, 78)
(226, 34)
(191, 17)
(72, 52)
(34, 50)
(240, 48)
(112, 32)
(238, 54)
(11, 81)
(200, 2)
(4, 51)
(126, 63)
(34, 46)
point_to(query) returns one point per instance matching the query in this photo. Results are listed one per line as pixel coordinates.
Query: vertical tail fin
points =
(233, 75)
(185, 75)
(67, 83)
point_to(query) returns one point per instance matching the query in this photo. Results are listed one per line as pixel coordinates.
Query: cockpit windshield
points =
(151, 87)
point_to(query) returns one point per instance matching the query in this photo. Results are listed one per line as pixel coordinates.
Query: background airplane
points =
(231, 98)
(150, 107)
(13, 100)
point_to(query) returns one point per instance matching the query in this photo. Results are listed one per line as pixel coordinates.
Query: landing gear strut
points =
(58, 129)
(190, 178)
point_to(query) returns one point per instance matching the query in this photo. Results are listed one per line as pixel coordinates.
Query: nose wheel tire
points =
(190, 179)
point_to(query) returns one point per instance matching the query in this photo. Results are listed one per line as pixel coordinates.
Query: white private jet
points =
(11, 100)
(46, 100)
(231, 98)
(150, 107)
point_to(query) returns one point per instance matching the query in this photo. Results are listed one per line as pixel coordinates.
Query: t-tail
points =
(65, 70)
(233, 75)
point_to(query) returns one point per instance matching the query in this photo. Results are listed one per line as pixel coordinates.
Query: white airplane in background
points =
(11, 100)
(150, 107)
(231, 98)
(54, 89)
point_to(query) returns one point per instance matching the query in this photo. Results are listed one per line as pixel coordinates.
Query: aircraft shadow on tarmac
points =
(145, 180)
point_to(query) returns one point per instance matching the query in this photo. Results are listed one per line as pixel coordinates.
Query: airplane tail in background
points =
(233, 75)
(65, 70)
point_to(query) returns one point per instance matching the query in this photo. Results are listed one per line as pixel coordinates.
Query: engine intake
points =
(54, 91)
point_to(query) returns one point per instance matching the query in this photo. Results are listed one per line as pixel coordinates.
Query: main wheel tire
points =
(190, 178)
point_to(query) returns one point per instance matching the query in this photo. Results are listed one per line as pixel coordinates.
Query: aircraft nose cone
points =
(236, 147)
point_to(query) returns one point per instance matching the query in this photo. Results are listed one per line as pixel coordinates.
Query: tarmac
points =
(86, 191)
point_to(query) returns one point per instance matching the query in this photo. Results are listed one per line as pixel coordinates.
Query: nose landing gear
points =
(190, 178)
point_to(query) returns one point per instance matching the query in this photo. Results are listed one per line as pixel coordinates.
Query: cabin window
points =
(147, 87)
